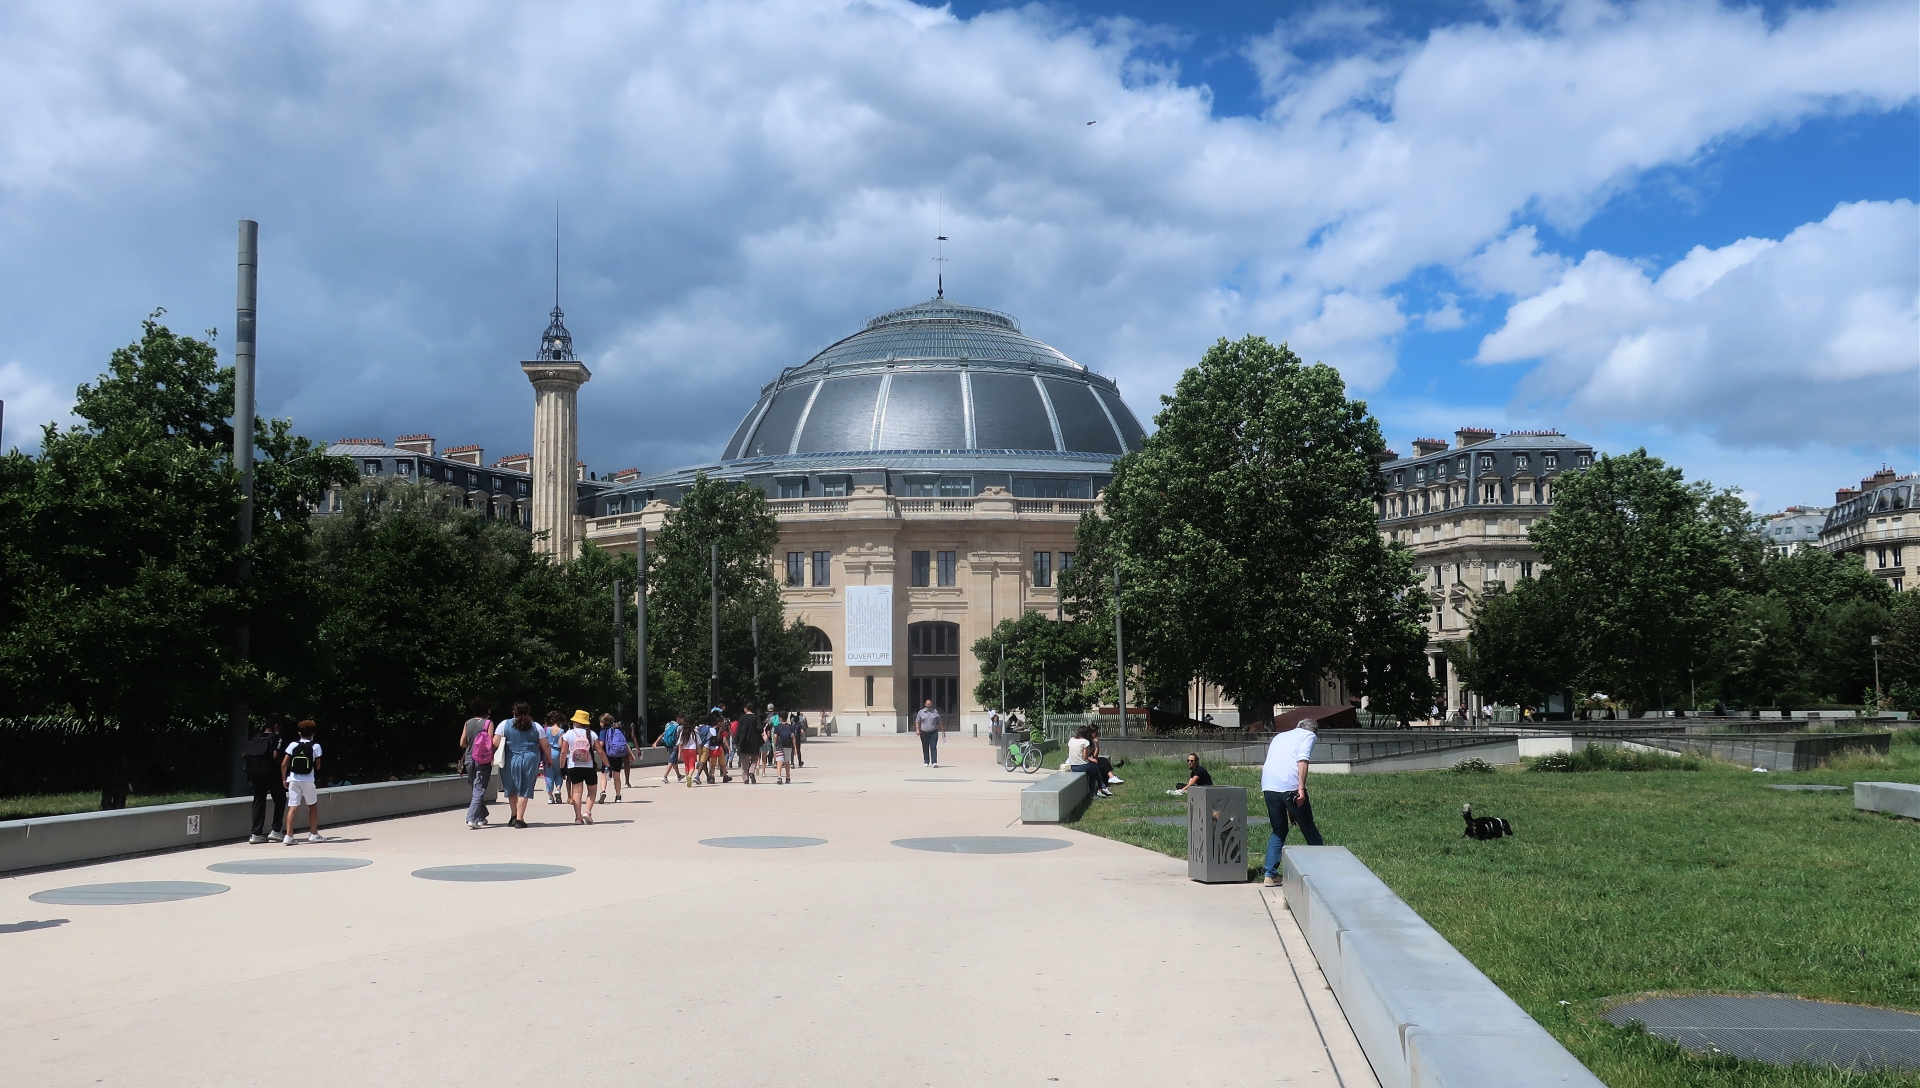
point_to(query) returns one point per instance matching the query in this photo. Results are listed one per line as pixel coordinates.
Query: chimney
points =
(1468, 436)
(519, 462)
(466, 455)
(1844, 494)
(415, 443)
(1386, 457)
(1884, 476)
(361, 442)
(1424, 446)
(579, 470)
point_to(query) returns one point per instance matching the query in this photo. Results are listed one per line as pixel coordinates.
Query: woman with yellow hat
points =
(581, 750)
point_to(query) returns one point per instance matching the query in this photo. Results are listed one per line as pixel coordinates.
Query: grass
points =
(63, 804)
(1627, 882)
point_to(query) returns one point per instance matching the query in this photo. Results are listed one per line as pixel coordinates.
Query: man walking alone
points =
(928, 721)
(1283, 783)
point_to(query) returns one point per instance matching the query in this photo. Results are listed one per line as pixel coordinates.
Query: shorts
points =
(687, 756)
(782, 755)
(616, 763)
(301, 793)
(577, 775)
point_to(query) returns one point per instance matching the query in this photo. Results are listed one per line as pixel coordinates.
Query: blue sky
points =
(1674, 224)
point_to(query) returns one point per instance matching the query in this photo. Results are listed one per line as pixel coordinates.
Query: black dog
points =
(1483, 827)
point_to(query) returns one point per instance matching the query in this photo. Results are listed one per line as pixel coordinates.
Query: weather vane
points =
(940, 248)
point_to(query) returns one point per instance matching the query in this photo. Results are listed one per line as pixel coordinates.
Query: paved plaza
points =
(663, 959)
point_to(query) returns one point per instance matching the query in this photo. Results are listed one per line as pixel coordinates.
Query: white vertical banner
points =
(869, 625)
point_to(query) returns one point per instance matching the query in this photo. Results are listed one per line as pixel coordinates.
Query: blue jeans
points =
(480, 774)
(930, 747)
(1280, 807)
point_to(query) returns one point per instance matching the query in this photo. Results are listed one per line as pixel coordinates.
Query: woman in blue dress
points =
(527, 752)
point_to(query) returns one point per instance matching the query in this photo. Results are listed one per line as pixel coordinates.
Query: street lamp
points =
(1874, 640)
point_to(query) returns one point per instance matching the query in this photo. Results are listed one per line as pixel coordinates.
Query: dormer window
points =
(1486, 461)
(1520, 460)
(794, 487)
(1585, 460)
(835, 487)
(371, 468)
(1550, 460)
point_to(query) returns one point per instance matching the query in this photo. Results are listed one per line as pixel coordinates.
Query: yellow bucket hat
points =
(580, 717)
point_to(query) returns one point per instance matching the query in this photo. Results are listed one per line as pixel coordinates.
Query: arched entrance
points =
(933, 670)
(819, 696)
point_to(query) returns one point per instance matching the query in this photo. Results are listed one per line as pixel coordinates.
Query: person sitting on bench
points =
(1196, 776)
(1078, 761)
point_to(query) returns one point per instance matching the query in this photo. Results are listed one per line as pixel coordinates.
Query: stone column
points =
(556, 451)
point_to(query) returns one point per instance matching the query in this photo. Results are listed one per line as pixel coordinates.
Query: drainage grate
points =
(1782, 1030)
(136, 891)
(763, 842)
(498, 871)
(983, 844)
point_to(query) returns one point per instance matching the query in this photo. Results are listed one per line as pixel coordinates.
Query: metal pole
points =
(713, 576)
(246, 297)
(1003, 678)
(619, 638)
(1119, 652)
(640, 637)
(756, 660)
(1043, 697)
(1875, 641)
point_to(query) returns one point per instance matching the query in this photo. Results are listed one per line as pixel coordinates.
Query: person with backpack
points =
(261, 760)
(747, 740)
(583, 753)
(526, 752)
(299, 768)
(670, 740)
(476, 748)
(689, 740)
(556, 769)
(613, 738)
(783, 741)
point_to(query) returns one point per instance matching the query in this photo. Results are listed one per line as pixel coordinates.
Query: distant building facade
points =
(1794, 528)
(1876, 521)
(503, 491)
(1465, 509)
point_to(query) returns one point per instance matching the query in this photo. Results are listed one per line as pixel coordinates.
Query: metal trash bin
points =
(1217, 834)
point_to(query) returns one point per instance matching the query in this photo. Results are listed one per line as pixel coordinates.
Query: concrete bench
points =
(1899, 798)
(1423, 1014)
(1055, 798)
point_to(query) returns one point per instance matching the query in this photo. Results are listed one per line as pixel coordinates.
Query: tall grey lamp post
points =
(756, 661)
(713, 680)
(246, 296)
(619, 636)
(1119, 652)
(1874, 641)
(640, 636)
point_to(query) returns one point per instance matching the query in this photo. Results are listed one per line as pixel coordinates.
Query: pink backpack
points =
(582, 745)
(482, 750)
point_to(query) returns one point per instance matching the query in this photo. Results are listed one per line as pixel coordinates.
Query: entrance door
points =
(933, 670)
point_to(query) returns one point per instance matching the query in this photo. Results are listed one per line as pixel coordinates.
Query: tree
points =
(1647, 567)
(1519, 649)
(1039, 650)
(1245, 536)
(123, 588)
(734, 516)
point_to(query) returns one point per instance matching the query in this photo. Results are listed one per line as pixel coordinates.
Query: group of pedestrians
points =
(720, 743)
(283, 770)
(568, 755)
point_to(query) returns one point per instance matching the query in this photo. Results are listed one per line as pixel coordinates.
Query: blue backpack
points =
(616, 741)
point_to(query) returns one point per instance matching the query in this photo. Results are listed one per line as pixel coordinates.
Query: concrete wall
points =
(1423, 1014)
(1899, 798)
(1055, 798)
(89, 836)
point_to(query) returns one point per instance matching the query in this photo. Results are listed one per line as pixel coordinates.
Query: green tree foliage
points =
(1803, 633)
(1520, 649)
(734, 516)
(122, 560)
(429, 605)
(1244, 532)
(1037, 648)
(1646, 569)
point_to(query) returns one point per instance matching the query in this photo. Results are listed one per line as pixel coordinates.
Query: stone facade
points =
(1465, 510)
(1792, 529)
(1877, 522)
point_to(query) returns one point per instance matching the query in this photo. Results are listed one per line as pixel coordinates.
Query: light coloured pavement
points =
(661, 961)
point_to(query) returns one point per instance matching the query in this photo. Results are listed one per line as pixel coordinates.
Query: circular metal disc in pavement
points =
(509, 870)
(983, 844)
(278, 866)
(762, 842)
(136, 891)
(1782, 1030)
(1810, 787)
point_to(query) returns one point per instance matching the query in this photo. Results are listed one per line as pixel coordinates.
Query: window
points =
(793, 488)
(372, 468)
(1399, 477)
(869, 689)
(922, 487)
(1896, 555)
(834, 487)
(1520, 460)
(1442, 468)
(922, 561)
(1490, 493)
(822, 568)
(947, 568)
(1052, 487)
(1436, 576)
(1585, 460)
(1042, 570)
(956, 487)
(1526, 568)
(1419, 475)
(493, 485)
(1486, 460)
(1066, 562)
(526, 485)
(1880, 554)
(933, 639)
(796, 568)
(1460, 466)
(404, 468)
(1549, 460)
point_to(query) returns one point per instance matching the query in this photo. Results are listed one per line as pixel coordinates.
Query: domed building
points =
(928, 472)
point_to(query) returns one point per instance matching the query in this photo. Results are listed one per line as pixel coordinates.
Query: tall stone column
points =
(556, 452)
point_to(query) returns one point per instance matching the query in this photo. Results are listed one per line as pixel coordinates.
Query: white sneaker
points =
(274, 836)
(1116, 780)
(255, 840)
(315, 836)
(291, 841)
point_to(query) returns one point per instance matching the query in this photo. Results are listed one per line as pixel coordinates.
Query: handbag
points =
(499, 750)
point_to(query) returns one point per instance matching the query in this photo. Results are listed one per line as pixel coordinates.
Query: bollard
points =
(1217, 834)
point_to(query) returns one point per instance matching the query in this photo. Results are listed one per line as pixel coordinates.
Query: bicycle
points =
(1023, 755)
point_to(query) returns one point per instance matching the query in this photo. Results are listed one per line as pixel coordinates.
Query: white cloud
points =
(1814, 338)
(742, 181)
(32, 401)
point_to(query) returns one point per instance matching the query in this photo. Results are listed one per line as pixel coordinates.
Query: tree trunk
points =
(1255, 711)
(116, 770)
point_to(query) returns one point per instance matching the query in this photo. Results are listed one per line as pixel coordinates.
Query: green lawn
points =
(62, 804)
(1622, 883)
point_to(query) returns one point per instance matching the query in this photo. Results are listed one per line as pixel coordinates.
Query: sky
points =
(1679, 225)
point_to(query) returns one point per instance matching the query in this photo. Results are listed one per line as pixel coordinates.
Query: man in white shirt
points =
(1283, 782)
(299, 765)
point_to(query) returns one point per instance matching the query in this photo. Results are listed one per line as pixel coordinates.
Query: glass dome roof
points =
(937, 376)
